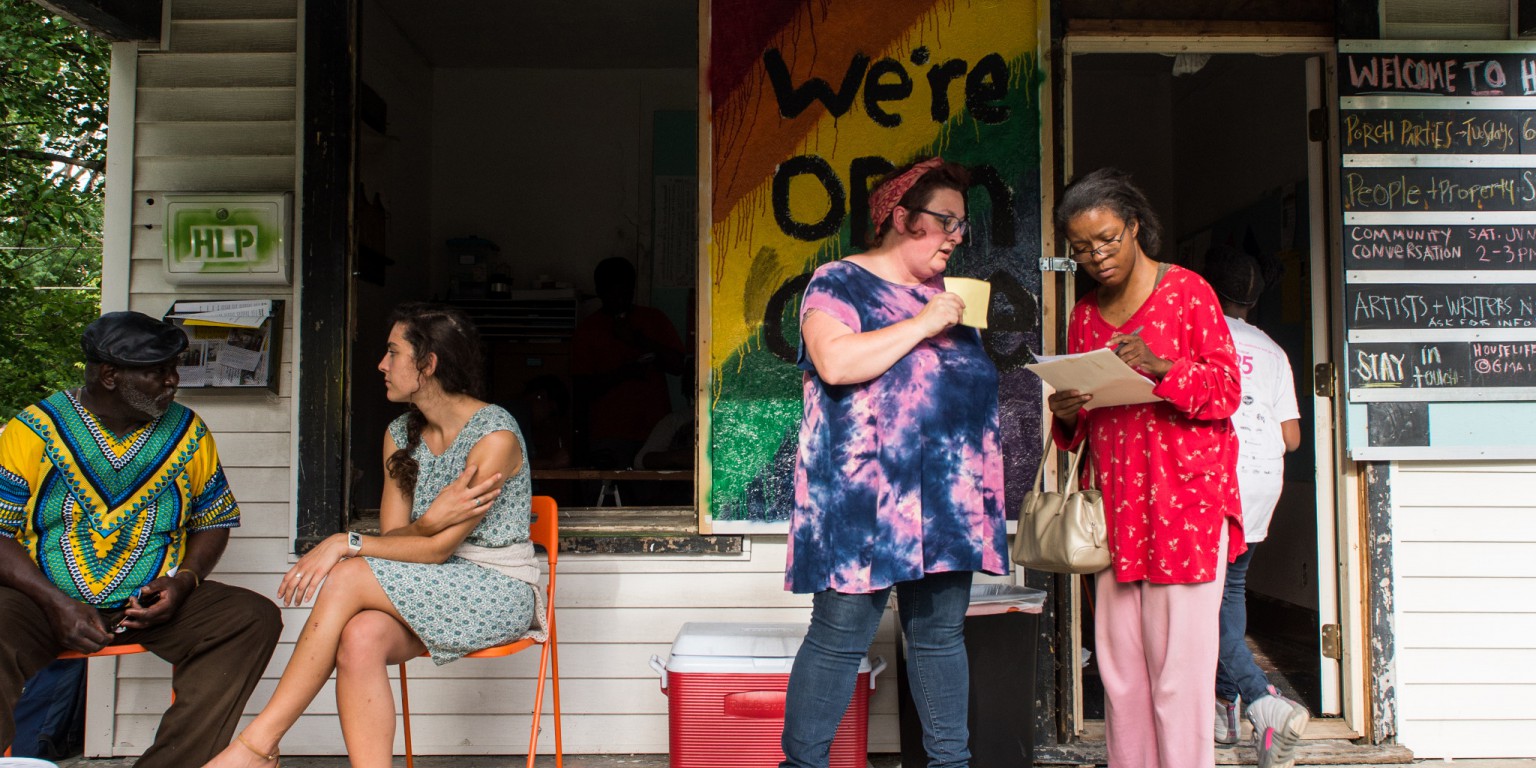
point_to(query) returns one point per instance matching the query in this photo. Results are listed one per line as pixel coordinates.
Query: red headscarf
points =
(885, 197)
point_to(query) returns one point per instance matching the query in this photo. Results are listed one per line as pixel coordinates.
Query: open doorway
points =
(1222, 145)
(503, 151)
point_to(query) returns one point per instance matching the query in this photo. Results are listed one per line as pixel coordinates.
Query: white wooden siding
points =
(1464, 558)
(215, 112)
(614, 614)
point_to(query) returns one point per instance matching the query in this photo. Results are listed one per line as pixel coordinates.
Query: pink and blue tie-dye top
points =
(902, 475)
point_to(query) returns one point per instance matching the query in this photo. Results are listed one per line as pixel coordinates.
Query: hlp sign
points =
(227, 238)
(233, 244)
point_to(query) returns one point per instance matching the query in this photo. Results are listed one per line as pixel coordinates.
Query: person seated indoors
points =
(543, 411)
(114, 510)
(672, 441)
(670, 446)
(620, 356)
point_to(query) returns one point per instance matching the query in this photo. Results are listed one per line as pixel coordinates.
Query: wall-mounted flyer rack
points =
(234, 345)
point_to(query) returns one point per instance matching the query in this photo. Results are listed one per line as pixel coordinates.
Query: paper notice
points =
(222, 314)
(192, 375)
(239, 359)
(976, 294)
(1100, 373)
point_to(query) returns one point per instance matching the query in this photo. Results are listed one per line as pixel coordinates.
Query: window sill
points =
(625, 531)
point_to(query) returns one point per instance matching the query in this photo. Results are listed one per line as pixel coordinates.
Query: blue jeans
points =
(1236, 672)
(932, 612)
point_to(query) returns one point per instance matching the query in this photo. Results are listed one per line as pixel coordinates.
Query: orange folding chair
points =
(111, 650)
(545, 532)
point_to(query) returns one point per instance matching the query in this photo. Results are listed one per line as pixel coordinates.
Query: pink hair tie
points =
(885, 197)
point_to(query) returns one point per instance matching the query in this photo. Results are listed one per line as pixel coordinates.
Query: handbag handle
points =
(1073, 478)
(1093, 482)
(1072, 474)
(1045, 455)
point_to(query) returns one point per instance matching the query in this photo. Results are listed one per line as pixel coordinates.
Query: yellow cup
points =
(976, 294)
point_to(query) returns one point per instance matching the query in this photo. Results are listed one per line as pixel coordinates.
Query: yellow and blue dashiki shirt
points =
(103, 514)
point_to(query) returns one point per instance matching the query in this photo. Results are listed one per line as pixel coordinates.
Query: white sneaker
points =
(1278, 724)
(1228, 729)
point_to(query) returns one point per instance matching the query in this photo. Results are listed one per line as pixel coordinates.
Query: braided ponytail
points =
(402, 464)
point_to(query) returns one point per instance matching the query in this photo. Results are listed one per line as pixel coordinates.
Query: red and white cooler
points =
(725, 686)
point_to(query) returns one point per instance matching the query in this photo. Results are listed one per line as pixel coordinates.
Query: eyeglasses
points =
(1109, 248)
(951, 224)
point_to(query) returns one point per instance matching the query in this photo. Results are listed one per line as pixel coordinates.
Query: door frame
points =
(328, 100)
(1343, 680)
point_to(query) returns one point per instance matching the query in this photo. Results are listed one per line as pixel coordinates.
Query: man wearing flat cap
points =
(113, 511)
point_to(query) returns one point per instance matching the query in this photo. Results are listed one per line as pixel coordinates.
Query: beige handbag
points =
(1062, 532)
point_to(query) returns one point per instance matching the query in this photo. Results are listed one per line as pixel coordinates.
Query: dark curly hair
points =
(1111, 189)
(449, 335)
(1237, 276)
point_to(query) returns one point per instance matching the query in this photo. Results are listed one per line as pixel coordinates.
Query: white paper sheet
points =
(1100, 373)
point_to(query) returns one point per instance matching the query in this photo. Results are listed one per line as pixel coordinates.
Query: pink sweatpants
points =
(1157, 648)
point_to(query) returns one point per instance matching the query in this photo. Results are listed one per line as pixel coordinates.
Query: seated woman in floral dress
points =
(454, 571)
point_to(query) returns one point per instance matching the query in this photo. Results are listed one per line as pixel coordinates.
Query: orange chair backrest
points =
(545, 528)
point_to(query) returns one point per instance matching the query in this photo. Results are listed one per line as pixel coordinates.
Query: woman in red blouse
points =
(1167, 471)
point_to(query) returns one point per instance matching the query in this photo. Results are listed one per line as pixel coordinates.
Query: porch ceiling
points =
(115, 20)
(551, 34)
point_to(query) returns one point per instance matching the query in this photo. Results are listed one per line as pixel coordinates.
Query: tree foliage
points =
(53, 123)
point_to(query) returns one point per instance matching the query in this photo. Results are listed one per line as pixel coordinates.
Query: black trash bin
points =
(1001, 651)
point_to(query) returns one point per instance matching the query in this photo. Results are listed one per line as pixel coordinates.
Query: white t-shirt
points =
(1269, 398)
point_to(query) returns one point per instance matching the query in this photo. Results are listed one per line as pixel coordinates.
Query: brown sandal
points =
(272, 758)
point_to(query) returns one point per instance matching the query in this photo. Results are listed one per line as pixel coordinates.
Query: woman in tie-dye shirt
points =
(899, 477)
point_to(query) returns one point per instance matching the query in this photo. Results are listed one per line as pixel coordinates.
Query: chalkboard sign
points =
(1421, 306)
(1422, 365)
(1439, 189)
(1437, 73)
(1398, 425)
(1441, 247)
(1438, 143)
(1460, 131)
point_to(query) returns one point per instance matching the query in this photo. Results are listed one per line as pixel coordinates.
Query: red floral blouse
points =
(1168, 470)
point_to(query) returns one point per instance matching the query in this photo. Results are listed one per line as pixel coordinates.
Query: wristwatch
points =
(354, 543)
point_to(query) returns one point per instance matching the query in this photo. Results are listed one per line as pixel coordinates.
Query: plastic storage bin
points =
(1002, 625)
(725, 685)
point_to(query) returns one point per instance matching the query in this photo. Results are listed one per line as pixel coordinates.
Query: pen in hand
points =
(1136, 332)
(1141, 358)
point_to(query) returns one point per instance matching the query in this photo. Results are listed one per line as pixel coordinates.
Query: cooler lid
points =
(1006, 593)
(740, 639)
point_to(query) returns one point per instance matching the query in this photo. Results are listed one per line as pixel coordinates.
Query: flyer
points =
(229, 342)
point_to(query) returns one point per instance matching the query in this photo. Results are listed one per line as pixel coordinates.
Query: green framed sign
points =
(228, 239)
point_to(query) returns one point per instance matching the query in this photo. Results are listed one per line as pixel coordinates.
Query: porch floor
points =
(660, 761)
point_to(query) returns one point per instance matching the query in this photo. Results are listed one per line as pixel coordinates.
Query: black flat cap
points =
(131, 340)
